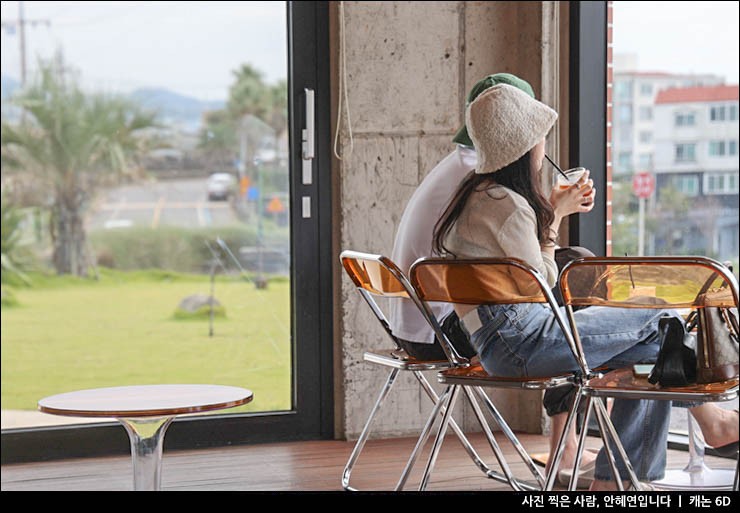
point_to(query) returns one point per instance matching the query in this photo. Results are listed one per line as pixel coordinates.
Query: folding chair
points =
(377, 276)
(493, 281)
(626, 282)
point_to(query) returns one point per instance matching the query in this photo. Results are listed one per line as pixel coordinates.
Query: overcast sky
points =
(189, 47)
(192, 47)
(687, 37)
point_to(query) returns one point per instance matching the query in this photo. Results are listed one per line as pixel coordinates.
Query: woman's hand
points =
(578, 198)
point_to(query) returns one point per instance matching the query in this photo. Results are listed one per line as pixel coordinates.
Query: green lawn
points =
(68, 334)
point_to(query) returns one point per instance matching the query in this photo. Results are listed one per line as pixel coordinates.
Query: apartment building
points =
(633, 118)
(695, 148)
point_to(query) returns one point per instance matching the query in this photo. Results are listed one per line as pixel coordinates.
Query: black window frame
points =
(587, 114)
(312, 416)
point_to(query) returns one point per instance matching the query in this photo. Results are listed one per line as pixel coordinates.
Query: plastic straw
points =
(556, 166)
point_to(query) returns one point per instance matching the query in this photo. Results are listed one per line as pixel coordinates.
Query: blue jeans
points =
(525, 340)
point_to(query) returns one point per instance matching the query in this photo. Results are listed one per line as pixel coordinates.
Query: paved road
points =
(171, 202)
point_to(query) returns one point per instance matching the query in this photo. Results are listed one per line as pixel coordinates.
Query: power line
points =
(20, 24)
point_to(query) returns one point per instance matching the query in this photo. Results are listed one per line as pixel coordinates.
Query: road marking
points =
(158, 211)
(173, 205)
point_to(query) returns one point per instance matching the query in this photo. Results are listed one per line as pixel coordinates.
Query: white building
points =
(633, 118)
(695, 142)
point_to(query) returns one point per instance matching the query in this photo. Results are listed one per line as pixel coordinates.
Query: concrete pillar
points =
(409, 66)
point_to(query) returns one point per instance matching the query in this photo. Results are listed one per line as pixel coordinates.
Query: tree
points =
(249, 94)
(249, 97)
(70, 142)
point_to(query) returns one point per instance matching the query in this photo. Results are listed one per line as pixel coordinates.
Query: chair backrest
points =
(671, 282)
(376, 275)
(487, 281)
(645, 282)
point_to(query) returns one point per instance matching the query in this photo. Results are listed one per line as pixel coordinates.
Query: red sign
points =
(643, 184)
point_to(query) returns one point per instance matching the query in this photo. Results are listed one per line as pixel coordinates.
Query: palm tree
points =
(70, 142)
(13, 257)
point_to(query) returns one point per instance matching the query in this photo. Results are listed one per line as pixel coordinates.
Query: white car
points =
(221, 186)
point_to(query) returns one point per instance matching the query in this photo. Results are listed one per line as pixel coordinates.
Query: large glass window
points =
(694, 209)
(145, 168)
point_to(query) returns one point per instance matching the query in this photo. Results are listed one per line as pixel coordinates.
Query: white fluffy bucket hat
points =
(504, 124)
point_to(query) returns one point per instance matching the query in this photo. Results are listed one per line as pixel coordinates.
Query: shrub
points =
(7, 298)
(171, 248)
(15, 258)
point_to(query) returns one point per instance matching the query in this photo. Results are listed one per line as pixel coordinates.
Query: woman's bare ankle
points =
(722, 429)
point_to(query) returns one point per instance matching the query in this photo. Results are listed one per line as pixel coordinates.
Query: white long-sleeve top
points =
(414, 238)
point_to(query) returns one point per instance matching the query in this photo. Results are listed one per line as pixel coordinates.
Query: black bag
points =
(676, 363)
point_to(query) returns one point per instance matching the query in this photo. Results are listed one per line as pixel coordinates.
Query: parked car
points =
(221, 186)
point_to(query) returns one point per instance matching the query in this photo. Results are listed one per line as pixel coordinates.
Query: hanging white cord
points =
(343, 89)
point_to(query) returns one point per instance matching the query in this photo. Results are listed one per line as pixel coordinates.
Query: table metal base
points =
(696, 475)
(708, 479)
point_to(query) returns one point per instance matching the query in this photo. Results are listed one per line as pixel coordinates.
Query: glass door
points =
(183, 233)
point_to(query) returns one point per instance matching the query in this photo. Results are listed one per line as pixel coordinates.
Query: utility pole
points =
(22, 34)
(20, 24)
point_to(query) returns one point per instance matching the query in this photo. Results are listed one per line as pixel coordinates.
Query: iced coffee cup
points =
(571, 178)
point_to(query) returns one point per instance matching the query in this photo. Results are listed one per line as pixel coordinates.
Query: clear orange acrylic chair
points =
(493, 281)
(641, 282)
(376, 276)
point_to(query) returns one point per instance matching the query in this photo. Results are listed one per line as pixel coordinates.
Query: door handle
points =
(307, 136)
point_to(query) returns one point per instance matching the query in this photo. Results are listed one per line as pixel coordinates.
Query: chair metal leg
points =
(605, 426)
(555, 463)
(509, 434)
(359, 445)
(606, 437)
(587, 408)
(463, 439)
(439, 407)
(439, 439)
(366, 431)
(508, 475)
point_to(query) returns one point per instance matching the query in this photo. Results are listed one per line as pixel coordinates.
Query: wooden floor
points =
(294, 466)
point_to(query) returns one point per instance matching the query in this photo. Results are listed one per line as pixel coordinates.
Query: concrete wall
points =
(408, 68)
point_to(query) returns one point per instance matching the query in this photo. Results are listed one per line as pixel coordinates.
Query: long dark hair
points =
(517, 176)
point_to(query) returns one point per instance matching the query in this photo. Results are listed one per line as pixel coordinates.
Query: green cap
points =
(462, 136)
